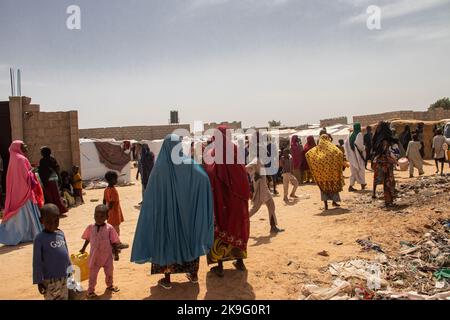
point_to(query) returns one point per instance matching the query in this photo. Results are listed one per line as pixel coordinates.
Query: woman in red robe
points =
(231, 194)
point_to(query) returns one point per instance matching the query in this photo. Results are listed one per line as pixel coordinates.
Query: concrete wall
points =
(332, 122)
(434, 115)
(132, 133)
(57, 130)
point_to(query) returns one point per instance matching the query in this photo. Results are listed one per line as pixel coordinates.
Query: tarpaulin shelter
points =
(99, 156)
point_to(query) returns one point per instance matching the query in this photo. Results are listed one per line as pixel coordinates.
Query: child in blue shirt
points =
(51, 257)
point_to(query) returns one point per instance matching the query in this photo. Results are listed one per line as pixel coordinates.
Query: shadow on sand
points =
(263, 240)
(333, 212)
(8, 249)
(179, 291)
(233, 286)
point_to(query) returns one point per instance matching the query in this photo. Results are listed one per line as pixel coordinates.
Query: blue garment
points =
(22, 227)
(50, 257)
(176, 223)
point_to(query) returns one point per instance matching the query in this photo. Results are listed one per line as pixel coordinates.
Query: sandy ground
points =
(278, 265)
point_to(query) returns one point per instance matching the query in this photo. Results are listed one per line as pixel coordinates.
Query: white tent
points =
(337, 132)
(155, 146)
(92, 168)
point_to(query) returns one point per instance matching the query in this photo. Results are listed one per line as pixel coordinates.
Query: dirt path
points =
(278, 266)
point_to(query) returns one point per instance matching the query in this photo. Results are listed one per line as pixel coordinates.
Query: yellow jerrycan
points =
(81, 260)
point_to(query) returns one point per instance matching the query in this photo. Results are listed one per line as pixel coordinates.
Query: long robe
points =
(21, 217)
(414, 156)
(231, 192)
(175, 225)
(357, 162)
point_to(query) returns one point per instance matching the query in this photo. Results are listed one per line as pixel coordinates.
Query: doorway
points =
(5, 142)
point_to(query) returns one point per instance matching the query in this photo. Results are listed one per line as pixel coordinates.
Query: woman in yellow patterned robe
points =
(326, 162)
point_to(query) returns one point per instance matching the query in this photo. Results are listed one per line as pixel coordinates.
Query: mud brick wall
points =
(132, 133)
(235, 125)
(433, 115)
(332, 122)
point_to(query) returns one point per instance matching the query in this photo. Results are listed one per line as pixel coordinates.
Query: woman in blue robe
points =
(176, 223)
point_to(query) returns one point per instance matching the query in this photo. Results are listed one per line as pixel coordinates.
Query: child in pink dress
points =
(104, 241)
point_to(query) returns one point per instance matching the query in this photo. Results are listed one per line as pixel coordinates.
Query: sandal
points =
(91, 295)
(240, 267)
(191, 278)
(163, 284)
(113, 289)
(218, 271)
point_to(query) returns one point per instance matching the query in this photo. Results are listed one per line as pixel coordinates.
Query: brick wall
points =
(132, 133)
(332, 122)
(433, 115)
(57, 130)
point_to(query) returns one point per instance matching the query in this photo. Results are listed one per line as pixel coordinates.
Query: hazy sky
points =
(297, 61)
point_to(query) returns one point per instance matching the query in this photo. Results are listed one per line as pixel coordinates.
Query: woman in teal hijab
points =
(176, 223)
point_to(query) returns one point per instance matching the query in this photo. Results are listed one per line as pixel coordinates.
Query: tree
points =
(443, 103)
(274, 123)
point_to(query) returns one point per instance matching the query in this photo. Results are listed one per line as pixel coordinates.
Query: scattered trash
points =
(95, 200)
(418, 271)
(369, 245)
(341, 290)
(442, 274)
(414, 193)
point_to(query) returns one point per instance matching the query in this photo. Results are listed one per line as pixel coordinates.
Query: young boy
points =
(112, 201)
(77, 184)
(288, 177)
(414, 156)
(51, 257)
(104, 242)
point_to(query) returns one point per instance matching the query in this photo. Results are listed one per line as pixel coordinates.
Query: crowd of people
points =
(190, 209)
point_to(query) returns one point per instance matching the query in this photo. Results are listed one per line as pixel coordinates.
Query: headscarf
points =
(47, 165)
(383, 132)
(406, 137)
(20, 181)
(296, 151)
(310, 143)
(326, 162)
(231, 193)
(176, 221)
(146, 163)
(354, 135)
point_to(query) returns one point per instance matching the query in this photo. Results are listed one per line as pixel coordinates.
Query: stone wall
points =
(433, 115)
(331, 122)
(57, 130)
(132, 133)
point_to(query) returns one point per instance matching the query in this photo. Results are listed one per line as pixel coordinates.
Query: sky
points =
(297, 61)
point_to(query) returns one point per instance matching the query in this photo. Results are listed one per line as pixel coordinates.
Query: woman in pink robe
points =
(20, 221)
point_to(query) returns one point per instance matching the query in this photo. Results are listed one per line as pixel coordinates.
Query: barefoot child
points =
(77, 184)
(51, 257)
(104, 243)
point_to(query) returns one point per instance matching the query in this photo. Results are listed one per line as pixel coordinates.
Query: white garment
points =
(357, 163)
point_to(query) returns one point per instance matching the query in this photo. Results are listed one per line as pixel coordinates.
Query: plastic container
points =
(80, 262)
(403, 164)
